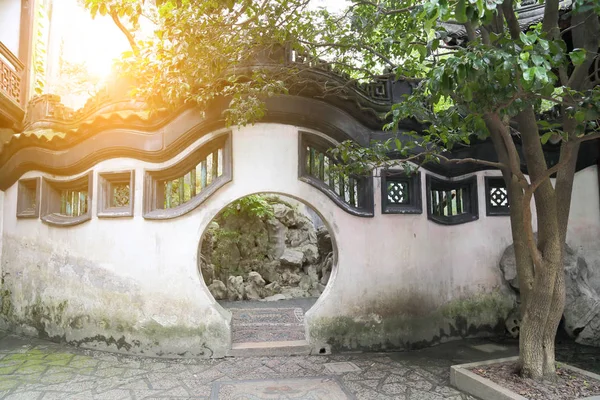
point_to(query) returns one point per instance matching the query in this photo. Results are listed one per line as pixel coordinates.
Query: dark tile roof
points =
(529, 13)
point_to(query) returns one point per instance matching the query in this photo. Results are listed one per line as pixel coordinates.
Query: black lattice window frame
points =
(24, 188)
(491, 210)
(106, 181)
(414, 205)
(471, 199)
(365, 193)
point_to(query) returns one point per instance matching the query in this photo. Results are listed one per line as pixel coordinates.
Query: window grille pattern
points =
(10, 82)
(499, 197)
(447, 203)
(73, 203)
(182, 189)
(452, 202)
(119, 195)
(397, 192)
(318, 165)
(115, 194)
(496, 196)
(176, 190)
(353, 194)
(400, 193)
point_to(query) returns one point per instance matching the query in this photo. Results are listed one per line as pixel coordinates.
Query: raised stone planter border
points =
(469, 382)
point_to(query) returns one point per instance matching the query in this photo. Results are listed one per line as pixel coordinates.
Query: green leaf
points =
(546, 136)
(398, 144)
(578, 56)
(529, 74)
(540, 74)
(525, 39)
(537, 59)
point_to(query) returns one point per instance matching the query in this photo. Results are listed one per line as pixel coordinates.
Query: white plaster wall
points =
(584, 221)
(394, 273)
(10, 22)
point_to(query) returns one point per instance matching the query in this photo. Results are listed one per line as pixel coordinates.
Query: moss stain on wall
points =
(474, 316)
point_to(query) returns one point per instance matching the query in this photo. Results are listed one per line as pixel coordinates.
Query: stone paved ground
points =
(35, 369)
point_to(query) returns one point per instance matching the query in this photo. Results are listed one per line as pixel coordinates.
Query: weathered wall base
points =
(482, 315)
(59, 296)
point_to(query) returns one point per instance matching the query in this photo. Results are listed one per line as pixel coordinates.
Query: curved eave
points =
(162, 140)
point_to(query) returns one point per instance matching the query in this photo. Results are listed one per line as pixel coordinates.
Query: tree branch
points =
(492, 164)
(511, 19)
(470, 31)
(130, 38)
(550, 22)
(586, 36)
(591, 136)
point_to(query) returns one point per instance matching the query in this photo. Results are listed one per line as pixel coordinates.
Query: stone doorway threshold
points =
(268, 328)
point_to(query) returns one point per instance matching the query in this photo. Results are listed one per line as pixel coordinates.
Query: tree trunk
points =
(556, 310)
(543, 313)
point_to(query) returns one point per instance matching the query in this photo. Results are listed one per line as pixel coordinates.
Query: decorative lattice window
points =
(28, 198)
(496, 196)
(179, 189)
(115, 194)
(400, 193)
(452, 202)
(353, 194)
(66, 203)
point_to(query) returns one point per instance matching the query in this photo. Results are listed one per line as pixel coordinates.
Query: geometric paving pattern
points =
(341, 367)
(319, 388)
(267, 325)
(40, 370)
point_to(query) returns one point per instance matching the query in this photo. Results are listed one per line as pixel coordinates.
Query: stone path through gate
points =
(269, 328)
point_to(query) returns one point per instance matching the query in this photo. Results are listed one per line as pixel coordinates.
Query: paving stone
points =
(490, 348)
(114, 394)
(341, 367)
(424, 395)
(24, 396)
(394, 388)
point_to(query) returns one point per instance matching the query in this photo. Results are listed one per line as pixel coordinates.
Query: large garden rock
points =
(324, 241)
(270, 271)
(582, 306)
(298, 237)
(254, 287)
(290, 278)
(292, 258)
(285, 214)
(235, 288)
(277, 234)
(218, 290)
(311, 253)
(508, 265)
(272, 289)
(513, 322)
